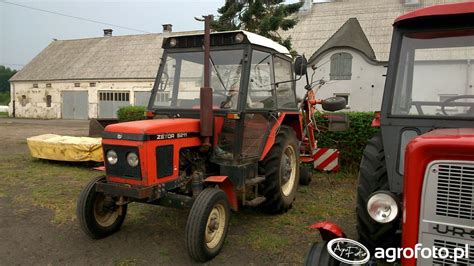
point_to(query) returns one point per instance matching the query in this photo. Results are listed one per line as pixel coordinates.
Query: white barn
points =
(88, 78)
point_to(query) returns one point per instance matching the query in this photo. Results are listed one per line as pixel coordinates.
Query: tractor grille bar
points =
(450, 260)
(455, 195)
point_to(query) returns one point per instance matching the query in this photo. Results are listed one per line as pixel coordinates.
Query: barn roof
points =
(376, 17)
(113, 57)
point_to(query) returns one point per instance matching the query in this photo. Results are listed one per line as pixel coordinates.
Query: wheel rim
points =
(105, 210)
(215, 226)
(288, 170)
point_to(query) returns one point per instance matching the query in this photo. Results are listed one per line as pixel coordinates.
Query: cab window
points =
(260, 92)
(286, 98)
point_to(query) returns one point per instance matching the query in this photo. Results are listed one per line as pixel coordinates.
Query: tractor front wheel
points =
(207, 224)
(98, 214)
(319, 255)
(281, 167)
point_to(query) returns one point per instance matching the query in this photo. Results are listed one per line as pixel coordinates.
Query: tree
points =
(5, 74)
(263, 17)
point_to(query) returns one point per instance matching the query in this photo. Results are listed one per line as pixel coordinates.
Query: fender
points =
(287, 119)
(328, 230)
(226, 185)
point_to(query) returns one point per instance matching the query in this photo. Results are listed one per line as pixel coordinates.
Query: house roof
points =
(376, 17)
(350, 35)
(114, 57)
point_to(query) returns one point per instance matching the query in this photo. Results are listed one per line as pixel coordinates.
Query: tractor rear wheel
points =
(372, 178)
(281, 168)
(97, 213)
(305, 175)
(208, 221)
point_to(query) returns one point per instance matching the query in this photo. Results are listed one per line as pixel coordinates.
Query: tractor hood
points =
(153, 127)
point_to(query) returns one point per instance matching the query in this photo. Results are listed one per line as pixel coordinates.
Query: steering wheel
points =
(454, 98)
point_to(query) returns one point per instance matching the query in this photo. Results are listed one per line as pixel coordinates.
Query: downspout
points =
(12, 97)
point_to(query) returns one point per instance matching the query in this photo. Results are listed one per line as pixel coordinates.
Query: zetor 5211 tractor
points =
(416, 179)
(209, 149)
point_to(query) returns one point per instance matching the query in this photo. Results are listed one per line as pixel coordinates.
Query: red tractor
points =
(210, 150)
(416, 179)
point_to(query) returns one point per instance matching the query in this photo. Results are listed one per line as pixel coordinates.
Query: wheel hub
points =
(215, 226)
(106, 212)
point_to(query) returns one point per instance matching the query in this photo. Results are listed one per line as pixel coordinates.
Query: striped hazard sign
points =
(326, 159)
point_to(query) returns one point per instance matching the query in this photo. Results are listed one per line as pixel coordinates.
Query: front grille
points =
(469, 260)
(455, 196)
(122, 168)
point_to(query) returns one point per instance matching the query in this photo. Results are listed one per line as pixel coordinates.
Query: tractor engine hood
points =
(153, 129)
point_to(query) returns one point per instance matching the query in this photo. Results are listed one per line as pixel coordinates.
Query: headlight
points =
(239, 37)
(173, 42)
(112, 157)
(132, 159)
(382, 207)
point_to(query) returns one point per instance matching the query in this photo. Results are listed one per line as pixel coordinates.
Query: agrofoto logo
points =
(348, 251)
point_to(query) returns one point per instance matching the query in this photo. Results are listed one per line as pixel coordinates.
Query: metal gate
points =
(75, 105)
(142, 98)
(111, 101)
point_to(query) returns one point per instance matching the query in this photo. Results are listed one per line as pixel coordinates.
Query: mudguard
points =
(328, 230)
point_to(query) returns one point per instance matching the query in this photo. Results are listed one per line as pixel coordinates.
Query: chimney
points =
(108, 32)
(167, 28)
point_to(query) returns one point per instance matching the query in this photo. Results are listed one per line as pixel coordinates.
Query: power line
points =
(75, 17)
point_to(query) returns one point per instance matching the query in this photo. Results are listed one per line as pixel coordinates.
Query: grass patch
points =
(281, 238)
(51, 185)
(3, 114)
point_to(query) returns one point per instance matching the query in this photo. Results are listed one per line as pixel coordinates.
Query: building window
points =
(23, 100)
(114, 96)
(341, 66)
(92, 84)
(77, 84)
(345, 96)
(48, 85)
(48, 100)
(162, 96)
(35, 85)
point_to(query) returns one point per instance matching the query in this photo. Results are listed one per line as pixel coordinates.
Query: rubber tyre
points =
(305, 176)
(276, 201)
(319, 255)
(196, 225)
(372, 178)
(86, 217)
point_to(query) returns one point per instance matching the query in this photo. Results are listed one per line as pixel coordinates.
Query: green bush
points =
(351, 142)
(131, 113)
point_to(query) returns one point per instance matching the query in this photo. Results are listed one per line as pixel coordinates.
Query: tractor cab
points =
(251, 79)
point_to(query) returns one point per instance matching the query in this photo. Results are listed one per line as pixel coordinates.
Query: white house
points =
(348, 44)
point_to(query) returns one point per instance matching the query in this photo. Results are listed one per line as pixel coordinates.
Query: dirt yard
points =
(38, 223)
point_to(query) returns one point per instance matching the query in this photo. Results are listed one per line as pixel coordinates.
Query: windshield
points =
(434, 75)
(183, 76)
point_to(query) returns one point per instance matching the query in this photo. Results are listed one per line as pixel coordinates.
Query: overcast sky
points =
(25, 32)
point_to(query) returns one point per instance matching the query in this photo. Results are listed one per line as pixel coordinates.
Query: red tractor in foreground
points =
(416, 179)
(210, 150)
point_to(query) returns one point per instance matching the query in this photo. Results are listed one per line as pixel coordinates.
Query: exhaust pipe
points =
(206, 113)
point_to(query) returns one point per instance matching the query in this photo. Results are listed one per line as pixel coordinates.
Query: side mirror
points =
(300, 65)
(334, 104)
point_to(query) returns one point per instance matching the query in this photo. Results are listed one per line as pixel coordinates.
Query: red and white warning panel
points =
(326, 160)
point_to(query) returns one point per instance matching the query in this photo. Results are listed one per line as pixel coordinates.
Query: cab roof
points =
(195, 40)
(438, 10)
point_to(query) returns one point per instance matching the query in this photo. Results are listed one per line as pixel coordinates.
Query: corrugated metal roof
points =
(115, 57)
(376, 17)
